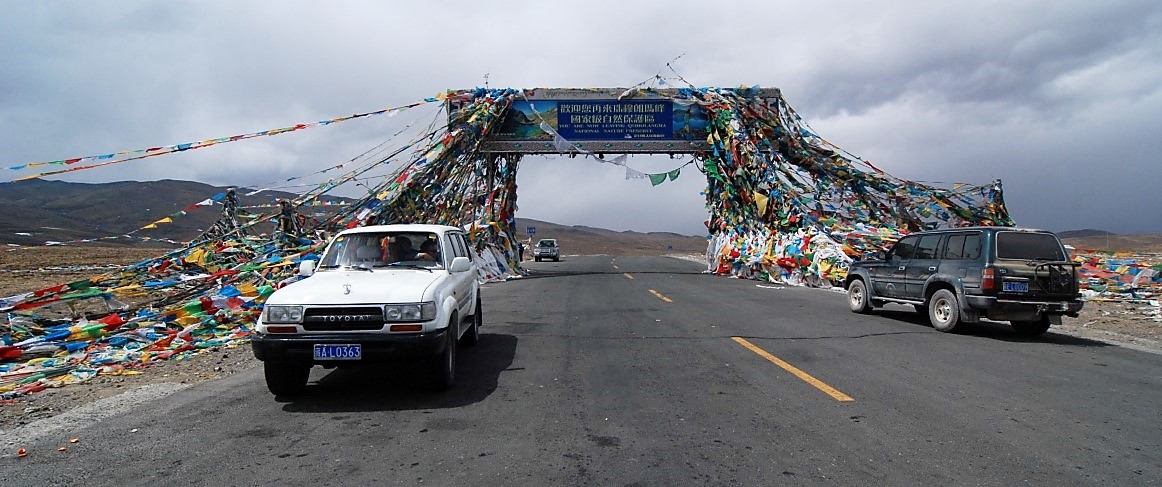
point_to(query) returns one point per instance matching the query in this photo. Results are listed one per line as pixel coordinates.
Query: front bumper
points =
(376, 347)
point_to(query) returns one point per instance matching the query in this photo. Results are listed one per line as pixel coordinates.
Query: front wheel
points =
(285, 379)
(944, 311)
(472, 336)
(1031, 328)
(444, 365)
(857, 298)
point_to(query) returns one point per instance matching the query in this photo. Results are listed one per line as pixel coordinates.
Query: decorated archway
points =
(785, 204)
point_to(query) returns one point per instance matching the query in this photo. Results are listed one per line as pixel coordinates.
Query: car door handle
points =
(901, 268)
(933, 268)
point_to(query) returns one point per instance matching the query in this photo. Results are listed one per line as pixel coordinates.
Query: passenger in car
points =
(428, 251)
(403, 249)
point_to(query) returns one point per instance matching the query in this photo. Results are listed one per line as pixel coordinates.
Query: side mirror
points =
(460, 264)
(306, 268)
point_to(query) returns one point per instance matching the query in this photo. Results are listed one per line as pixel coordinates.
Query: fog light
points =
(281, 329)
(406, 328)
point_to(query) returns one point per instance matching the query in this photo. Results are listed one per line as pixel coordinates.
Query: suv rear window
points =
(963, 246)
(1028, 246)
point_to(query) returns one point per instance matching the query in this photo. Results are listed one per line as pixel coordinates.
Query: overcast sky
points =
(1062, 100)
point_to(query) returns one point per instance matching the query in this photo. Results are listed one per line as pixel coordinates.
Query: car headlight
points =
(282, 314)
(410, 312)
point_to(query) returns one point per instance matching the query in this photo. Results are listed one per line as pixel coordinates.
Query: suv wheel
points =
(444, 365)
(944, 311)
(857, 297)
(1031, 328)
(473, 334)
(285, 379)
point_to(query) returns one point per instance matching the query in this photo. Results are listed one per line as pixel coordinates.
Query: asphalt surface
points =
(644, 371)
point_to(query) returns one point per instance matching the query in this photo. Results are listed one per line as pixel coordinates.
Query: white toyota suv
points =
(379, 293)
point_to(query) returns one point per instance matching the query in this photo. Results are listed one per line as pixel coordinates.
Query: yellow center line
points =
(661, 296)
(830, 391)
(627, 276)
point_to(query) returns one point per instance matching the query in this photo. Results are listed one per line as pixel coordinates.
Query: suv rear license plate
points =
(1015, 287)
(338, 352)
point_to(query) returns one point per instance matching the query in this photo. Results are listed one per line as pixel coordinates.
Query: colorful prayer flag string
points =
(130, 155)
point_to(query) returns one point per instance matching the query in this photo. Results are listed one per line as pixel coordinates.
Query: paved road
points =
(643, 371)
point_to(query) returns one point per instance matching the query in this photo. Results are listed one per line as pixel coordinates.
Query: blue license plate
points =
(1015, 287)
(338, 352)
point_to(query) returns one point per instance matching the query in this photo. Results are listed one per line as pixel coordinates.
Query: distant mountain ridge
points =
(1088, 232)
(35, 211)
(63, 211)
(584, 240)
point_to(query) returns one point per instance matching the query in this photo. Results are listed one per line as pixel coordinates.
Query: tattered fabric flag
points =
(656, 179)
(546, 127)
(674, 174)
(711, 169)
(563, 146)
(631, 173)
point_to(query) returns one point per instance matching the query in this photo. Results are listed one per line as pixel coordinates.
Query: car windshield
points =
(547, 243)
(1029, 246)
(383, 249)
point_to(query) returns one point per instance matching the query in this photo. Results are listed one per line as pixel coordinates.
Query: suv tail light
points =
(988, 279)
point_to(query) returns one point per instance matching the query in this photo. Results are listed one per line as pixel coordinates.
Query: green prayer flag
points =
(193, 307)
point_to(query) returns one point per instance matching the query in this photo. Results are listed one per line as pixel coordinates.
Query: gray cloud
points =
(1061, 100)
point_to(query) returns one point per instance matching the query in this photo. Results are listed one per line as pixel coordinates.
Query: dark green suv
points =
(960, 275)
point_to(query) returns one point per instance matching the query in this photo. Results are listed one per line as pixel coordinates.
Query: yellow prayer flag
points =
(247, 289)
(196, 256)
(761, 200)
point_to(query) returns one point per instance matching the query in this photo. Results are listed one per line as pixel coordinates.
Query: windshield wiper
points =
(362, 267)
(409, 266)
